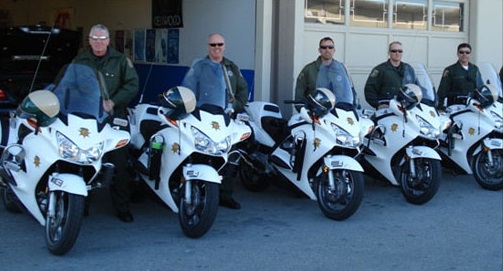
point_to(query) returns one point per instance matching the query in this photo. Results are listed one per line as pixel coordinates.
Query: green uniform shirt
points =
(385, 81)
(119, 73)
(456, 81)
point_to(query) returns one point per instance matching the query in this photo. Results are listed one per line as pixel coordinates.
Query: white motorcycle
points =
(180, 150)
(474, 143)
(314, 151)
(52, 157)
(401, 147)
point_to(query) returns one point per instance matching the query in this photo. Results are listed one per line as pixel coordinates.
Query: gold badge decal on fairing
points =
(394, 127)
(432, 113)
(471, 131)
(351, 121)
(175, 148)
(215, 125)
(36, 161)
(84, 132)
(316, 143)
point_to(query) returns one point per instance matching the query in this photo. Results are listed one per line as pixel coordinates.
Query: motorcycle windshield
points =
(335, 78)
(490, 76)
(81, 91)
(425, 82)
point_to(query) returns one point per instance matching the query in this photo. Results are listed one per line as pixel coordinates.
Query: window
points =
(410, 15)
(324, 11)
(446, 15)
(371, 13)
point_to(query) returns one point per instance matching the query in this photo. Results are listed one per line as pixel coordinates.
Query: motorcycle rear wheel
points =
(424, 186)
(10, 201)
(253, 180)
(197, 218)
(343, 201)
(487, 176)
(62, 230)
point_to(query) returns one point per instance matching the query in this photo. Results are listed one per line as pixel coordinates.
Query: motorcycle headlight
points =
(344, 138)
(70, 151)
(204, 144)
(498, 121)
(427, 130)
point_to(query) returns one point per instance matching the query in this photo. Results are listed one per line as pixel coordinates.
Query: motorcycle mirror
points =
(304, 114)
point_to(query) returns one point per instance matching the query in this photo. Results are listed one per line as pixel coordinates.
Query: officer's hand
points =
(108, 105)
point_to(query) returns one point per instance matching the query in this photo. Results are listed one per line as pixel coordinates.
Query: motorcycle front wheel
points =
(421, 188)
(487, 175)
(62, 230)
(196, 217)
(341, 201)
(10, 201)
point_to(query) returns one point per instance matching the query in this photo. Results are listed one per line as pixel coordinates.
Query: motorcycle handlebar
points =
(300, 102)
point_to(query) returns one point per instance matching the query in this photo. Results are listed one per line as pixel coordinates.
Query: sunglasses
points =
(464, 52)
(326, 47)
(216, 44)
(396, 51)
(98, 37)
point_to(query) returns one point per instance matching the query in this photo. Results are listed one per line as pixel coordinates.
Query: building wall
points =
(234, 19)
(362, 48)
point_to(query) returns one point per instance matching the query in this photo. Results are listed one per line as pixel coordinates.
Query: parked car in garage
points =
(30, 59)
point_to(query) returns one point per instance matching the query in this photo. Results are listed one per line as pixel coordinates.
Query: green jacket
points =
(456, 81)
(306, 81)
(385, 81)
(238, 85)
(119, 73)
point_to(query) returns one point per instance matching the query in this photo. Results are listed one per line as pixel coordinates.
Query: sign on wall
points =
(167, 14)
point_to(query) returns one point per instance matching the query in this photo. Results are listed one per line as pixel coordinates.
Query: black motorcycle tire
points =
(489, 177)
(10, 201)
(252, 179)
(423, 190)
(348, 196)
(197, 219)
(61, 231)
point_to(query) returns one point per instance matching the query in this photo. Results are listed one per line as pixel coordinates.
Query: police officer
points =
(121, 80)
(324, 72)
(386, 79)
(217, 80)
(459, 79)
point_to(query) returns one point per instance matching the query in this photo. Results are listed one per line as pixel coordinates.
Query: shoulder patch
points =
(374, 73)
(446, 73)
(129, 62)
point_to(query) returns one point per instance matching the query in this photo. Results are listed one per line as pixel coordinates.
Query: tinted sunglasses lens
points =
(465, 52)
(396, 51)
(99, 37)
(216, 44)
(327, 47)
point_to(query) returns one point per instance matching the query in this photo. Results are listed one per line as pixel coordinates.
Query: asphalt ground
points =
(459, 229)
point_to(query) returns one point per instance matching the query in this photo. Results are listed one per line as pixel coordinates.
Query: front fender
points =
(201, 172)
(490, 143)
(68, 182)
(342, 162)
(422, 152)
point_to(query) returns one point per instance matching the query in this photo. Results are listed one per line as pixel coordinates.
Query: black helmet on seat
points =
(320, 102)
(409, 96)
(180, 100)
(41, 105)
(486, 95)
